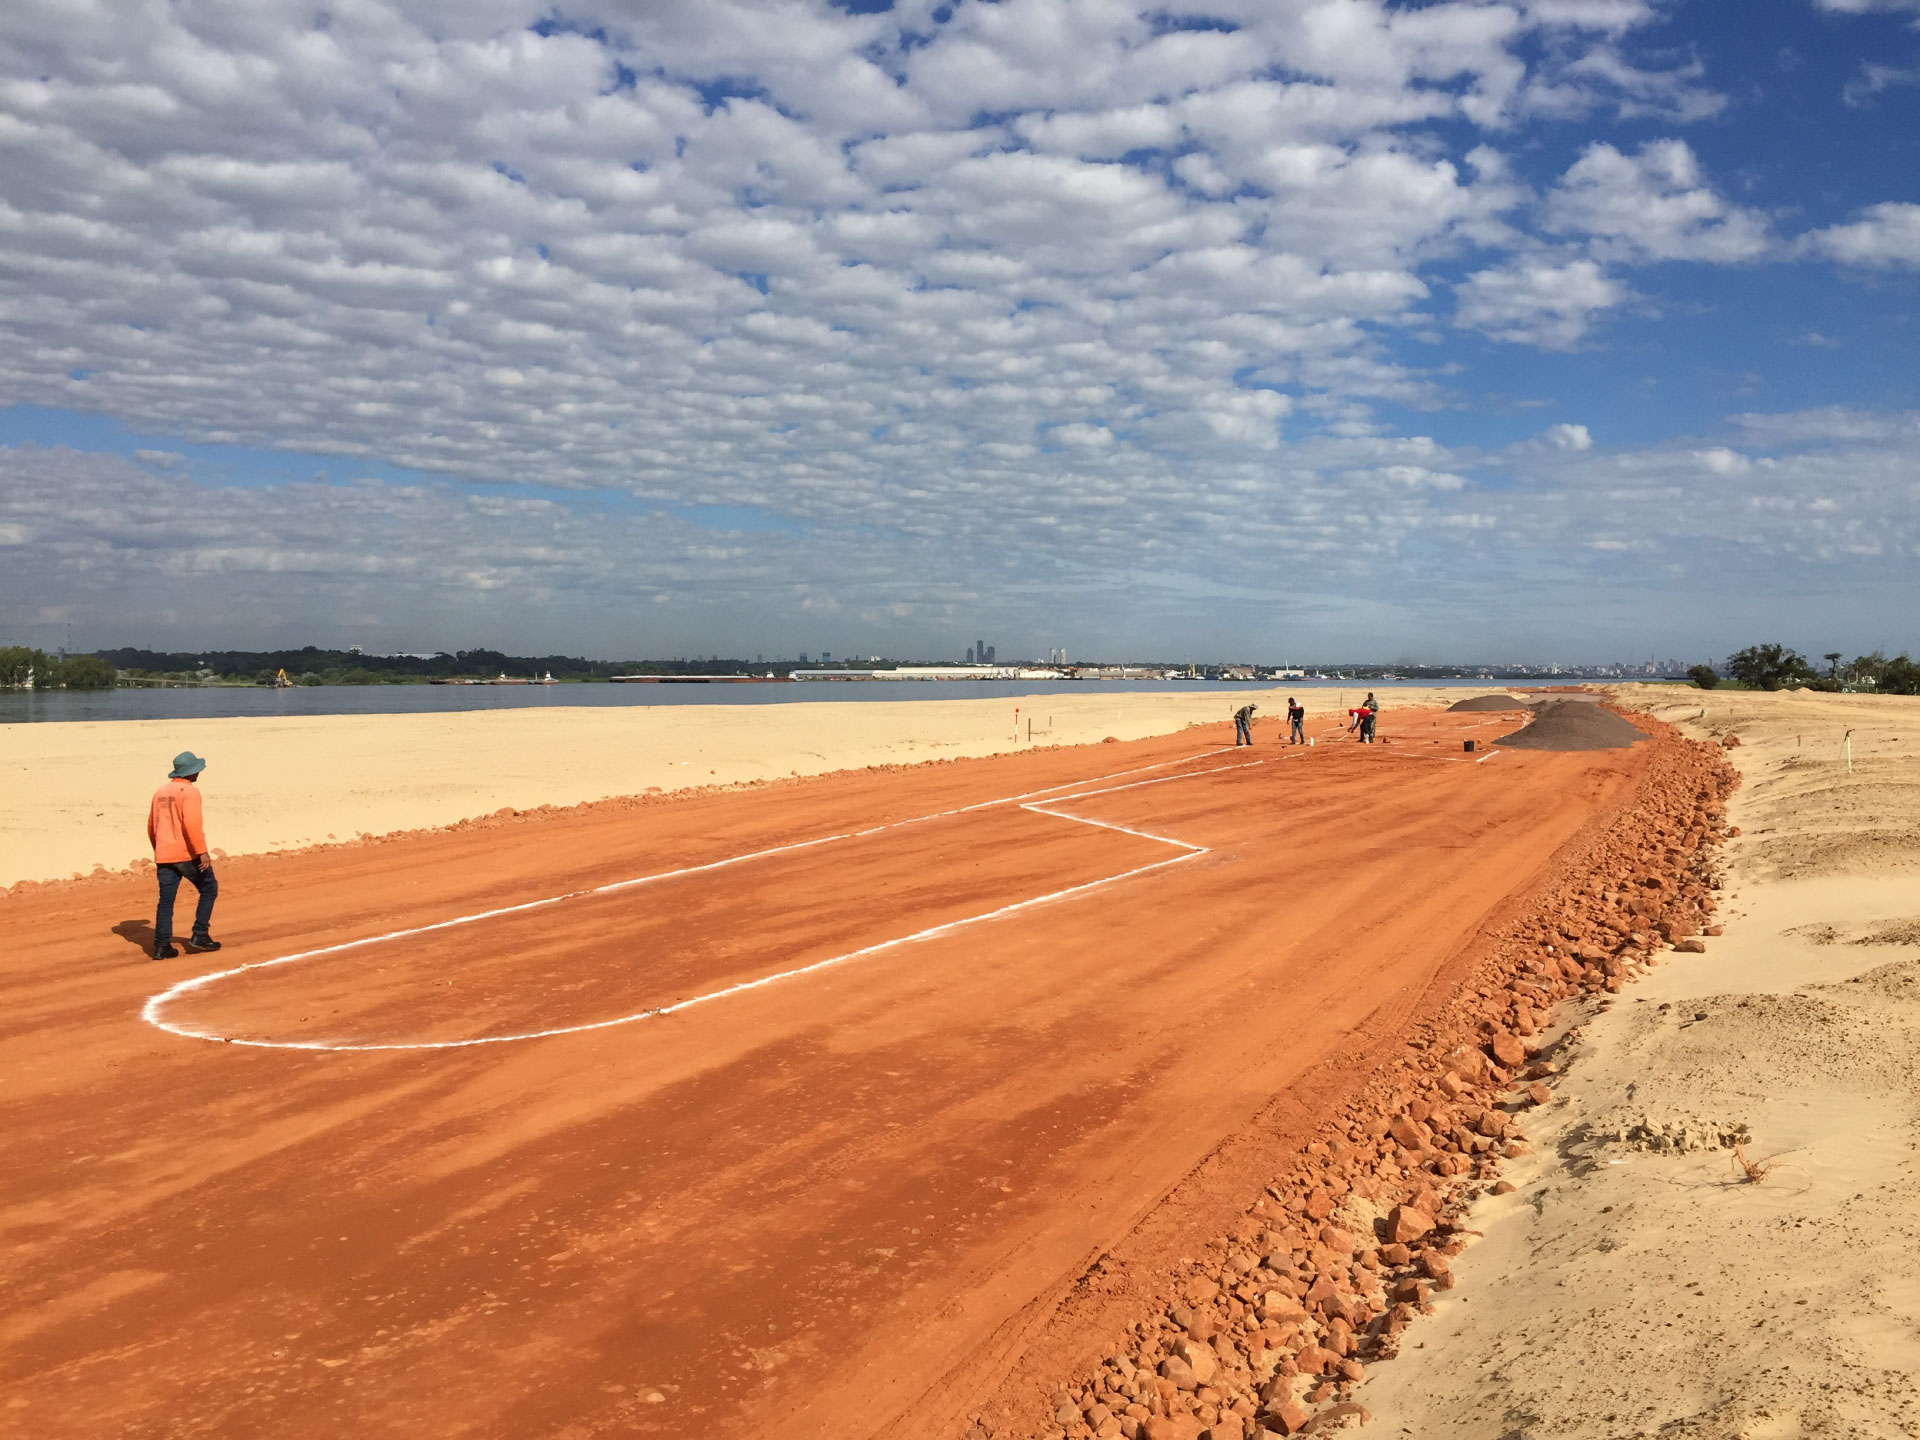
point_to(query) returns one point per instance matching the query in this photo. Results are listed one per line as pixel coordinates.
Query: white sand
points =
(75, 795)
(1627, 1291)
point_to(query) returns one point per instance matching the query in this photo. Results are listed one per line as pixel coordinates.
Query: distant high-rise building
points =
(969, 654)
(980, 651)
(803, 657)
(989, 654)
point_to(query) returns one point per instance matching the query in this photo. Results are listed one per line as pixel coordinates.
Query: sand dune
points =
(1637, 1282)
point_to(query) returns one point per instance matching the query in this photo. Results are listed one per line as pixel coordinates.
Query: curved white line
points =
(151, 1011)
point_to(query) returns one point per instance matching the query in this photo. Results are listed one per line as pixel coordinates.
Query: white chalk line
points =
(151, 1012)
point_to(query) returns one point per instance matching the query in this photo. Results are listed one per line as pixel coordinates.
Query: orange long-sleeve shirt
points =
(173, 823)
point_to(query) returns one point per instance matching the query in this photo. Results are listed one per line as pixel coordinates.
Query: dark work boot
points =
(198, 943)
(163, 950)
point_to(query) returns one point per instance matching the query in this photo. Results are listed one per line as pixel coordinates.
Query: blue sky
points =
(1559, 329)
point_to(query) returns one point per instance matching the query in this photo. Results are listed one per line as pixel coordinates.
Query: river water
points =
(18, 706)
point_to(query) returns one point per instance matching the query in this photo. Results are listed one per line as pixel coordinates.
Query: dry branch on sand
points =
(1755, 1170)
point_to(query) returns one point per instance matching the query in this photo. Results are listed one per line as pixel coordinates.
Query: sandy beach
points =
(1638, 1282)
(76, 794)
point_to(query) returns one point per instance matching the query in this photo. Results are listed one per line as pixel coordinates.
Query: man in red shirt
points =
(180, 853)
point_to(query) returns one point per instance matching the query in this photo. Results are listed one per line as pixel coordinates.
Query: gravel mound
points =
(1572, 725)
(1488, 702)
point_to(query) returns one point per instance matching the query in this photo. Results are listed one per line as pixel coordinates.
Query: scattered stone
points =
(1200, 1360)
(1289, 1418)
(1503, 1187)
(1179, 1373)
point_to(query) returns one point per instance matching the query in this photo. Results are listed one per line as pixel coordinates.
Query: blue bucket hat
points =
(186, 763)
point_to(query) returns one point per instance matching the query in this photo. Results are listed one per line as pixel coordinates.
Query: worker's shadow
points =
(136, 932)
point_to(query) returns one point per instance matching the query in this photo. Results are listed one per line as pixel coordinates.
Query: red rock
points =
(1716, 929)
(1395, 1254)
(1539, 1093)
(1730, 741)
(1412, 1291)
(1315, 1361)
(1201, 1361)
(1408, 1131)
(1352, 1370)
(1507, 1049)
(1405, 1223)
(1515, 1149)
(1290, 1416)
(1319, 1205)
(1337, 1240)
(1435, 1264)
(1691, 947)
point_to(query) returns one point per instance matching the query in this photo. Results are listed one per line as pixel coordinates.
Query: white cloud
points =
(1537, 302)
(1037, 279)
(1569, 437)
(1722, 461)
(1654, 205)
(1886, 236)
(1874, 78)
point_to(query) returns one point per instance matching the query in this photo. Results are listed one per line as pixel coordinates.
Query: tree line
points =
(21, 667)
(312, 665)
(1777, 667)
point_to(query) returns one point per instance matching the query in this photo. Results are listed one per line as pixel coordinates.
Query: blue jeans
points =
(1298, 733)
(1242, 732)
(170, 876)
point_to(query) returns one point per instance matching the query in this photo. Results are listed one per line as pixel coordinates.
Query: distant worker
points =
(1243, 725)
(1296, 722)
(1357, 719)
(180, 853)
(1369, 719)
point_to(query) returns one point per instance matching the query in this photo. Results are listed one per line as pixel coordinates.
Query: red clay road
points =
(804, 1209)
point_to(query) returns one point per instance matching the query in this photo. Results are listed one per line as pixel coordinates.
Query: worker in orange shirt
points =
(180, 853)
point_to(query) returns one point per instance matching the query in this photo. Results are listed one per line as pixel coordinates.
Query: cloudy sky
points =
(1569, 329)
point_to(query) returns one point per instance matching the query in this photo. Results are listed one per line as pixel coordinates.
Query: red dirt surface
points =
(848, 1203)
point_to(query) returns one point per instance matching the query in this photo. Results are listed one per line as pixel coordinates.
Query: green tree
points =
(1768, 667)
(1705, 676)
(1832, 657)
(20, 666)
(1900, 676)
(86, 672)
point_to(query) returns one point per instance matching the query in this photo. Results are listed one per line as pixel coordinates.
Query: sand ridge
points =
(1638, 1282)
